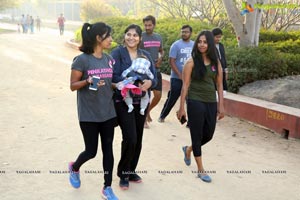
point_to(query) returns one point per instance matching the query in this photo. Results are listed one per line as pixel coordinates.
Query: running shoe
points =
(124, 183)
(74, 176)
(108, 194)
(135, 178)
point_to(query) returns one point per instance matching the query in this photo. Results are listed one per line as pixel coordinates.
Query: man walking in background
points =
(180, 51)
(23, 23)
(38, 23)
(61, 23)
(153, 43)
(217, 32)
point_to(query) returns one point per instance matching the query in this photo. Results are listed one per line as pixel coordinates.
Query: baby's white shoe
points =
(130, 108)
(142, 111)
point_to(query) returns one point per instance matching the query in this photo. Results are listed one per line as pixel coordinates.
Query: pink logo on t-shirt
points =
(111, 63)
(149, 44)
(213, 68)
(102, 73)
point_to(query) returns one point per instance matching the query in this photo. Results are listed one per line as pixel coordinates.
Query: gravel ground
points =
(285, 91)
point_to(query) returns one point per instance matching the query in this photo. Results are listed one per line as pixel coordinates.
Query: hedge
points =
(271, 36)
(246, 65)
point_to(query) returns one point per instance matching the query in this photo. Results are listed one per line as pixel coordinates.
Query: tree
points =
(247, 26)
(124, 6)
(281, 14)
(174, 8)
(211, 11)
(94, 9)
(5, 4)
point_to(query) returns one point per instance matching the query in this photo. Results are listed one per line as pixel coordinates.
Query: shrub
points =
(293, 63)
(77, 34)
(289, 46)
(271, 36)
(246, 65)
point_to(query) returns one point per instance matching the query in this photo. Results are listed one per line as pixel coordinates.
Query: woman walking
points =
(91, 77)
(132, 123)
(200, 74)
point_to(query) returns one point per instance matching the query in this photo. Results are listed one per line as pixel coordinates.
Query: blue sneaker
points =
(108, 194)
(74, 176)
(186, 160)
(204, 177)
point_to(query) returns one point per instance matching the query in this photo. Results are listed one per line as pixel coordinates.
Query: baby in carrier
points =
(135, 74)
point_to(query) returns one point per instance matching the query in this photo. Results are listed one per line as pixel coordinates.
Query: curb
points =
(71, 43)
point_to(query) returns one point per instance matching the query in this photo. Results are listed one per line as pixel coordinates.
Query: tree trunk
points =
(246, 27)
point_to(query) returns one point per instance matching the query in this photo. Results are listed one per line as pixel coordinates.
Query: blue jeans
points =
(173, 95)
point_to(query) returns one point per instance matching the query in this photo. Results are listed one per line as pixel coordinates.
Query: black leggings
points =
(90, 131)
(132, 126)
(202, 122)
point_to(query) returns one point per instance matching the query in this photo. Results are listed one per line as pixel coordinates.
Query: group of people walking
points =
(27, 24)
(196, 75)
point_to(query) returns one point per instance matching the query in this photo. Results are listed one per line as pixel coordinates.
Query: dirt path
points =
(40, 134)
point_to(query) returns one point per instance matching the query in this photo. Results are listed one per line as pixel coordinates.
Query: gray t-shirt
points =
(95, 106)
(152, 44)
(181, 51)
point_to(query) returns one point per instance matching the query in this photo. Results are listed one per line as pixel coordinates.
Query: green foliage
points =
(246, 65)
(288, 46)
(6, 31)
(278, 55)
(271, 36)
(5, 4)
(92, 9)
(77, 35)
(293, 63)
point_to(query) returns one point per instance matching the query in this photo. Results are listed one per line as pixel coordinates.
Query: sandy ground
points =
(40, 134)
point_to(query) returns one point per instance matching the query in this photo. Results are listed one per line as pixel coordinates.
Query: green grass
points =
(6, 31)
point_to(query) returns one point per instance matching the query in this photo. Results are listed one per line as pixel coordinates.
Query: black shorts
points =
(159, 82)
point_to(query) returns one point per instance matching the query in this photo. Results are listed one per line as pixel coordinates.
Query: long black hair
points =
(89, 34)
(199, 66)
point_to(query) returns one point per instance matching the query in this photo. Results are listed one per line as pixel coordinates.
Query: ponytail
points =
(89, 33)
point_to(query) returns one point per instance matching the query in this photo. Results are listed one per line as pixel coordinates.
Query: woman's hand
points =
(101, 83)
(181, 113)
(220, 112)
(146, 85)
(89, 80)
